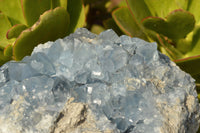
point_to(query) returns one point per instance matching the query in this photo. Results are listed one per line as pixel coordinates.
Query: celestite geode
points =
(97, 83)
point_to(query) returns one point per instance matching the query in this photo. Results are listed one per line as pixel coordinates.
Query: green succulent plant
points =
(173, 24)
(26, 23)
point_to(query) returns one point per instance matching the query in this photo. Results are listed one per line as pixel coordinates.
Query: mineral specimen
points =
(87, 83)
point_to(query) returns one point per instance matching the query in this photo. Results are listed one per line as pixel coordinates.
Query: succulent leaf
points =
(22, 14)
(15, 31)
(12, 9)
(183, 45)
(55, 3)
(138, 9)
(195, 43)
(32, 9)
(3, 44)
(5, 26)
(126, 22)
(3, 59)
(59, 3)
(53, 24)
(182, 4)
(195, 10)
(162, 7)
(190, 64)
(176, 25)
(172, 52)
(156, 24)
(8, 51)
(75, 9)
(63, 3)
(97, 29)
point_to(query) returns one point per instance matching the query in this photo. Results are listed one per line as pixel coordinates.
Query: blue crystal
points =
(129, 86)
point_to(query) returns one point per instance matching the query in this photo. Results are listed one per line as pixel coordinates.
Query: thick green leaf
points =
(196, 36)
(127, 23)
(55, 3)
(13, 9)
(190, 65)
(184, 45)
(182, 4)
(110, 24)
(32, 9)
(155, 24)
(122, 3)
(75, 9)
(182, 22)
(8, 51)
(170, 50)
(165, 52)
(97, 29)
(3, 44)
(5, 26)
(195, 43)
(63, 3)
(176, 25)
(15, 31)
(138, 9)
(194, 8)
(3, 59)
(161, 8)
(58, 3)
(53, 24)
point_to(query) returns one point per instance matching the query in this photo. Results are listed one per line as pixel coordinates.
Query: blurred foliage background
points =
(99, 17)
(27, 23)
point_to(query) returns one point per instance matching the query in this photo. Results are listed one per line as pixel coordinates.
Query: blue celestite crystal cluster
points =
(128, 86)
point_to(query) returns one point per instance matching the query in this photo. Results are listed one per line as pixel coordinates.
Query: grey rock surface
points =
(87, 83)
